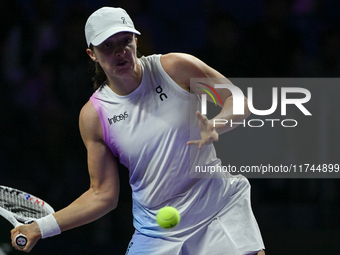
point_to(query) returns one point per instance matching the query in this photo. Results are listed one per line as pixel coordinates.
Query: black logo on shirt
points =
(159, 90)
(128, 249)
(117, 118)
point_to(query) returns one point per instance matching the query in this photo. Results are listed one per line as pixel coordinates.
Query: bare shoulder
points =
(181, 67)
(89, 123)
(88, 112)
(174, 63)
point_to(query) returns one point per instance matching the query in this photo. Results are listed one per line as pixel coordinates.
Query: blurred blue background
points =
(45, 79)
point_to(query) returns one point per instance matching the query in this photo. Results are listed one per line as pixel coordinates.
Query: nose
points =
(120, 51)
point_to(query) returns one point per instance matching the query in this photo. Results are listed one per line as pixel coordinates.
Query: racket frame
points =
(21, 239)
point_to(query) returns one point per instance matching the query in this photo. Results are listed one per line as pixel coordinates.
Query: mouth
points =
(121, 63)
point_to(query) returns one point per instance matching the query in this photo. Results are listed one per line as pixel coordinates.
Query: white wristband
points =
(48, 226)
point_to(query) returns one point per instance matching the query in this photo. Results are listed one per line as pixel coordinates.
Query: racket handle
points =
(21, 240)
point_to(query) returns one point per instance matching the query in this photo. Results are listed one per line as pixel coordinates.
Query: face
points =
(116, 55)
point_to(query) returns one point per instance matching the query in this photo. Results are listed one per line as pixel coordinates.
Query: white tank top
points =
(148, 130)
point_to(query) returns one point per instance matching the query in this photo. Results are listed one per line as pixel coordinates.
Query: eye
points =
(107, 45)
(127, 40)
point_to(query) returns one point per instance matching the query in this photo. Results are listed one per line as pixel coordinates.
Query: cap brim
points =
(110, 32)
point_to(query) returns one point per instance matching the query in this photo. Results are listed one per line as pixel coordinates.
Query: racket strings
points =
(16, 202)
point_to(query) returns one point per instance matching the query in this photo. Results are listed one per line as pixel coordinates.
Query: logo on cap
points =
(124, 21)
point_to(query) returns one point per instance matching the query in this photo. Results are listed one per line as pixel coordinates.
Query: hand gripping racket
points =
(20, 208)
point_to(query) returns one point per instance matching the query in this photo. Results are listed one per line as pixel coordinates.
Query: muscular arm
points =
(103, 193)
(182, 67)
(100, 198)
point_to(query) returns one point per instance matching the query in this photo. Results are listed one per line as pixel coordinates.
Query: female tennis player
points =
(141, 113)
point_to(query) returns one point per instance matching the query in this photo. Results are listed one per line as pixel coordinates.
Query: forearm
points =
(226, 116)
(89, 207)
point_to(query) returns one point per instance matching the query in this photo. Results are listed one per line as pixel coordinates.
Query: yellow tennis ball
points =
(168, 217)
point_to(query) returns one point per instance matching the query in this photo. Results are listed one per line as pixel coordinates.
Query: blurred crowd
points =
(45, 75)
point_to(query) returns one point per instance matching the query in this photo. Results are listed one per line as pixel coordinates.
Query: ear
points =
(91, 55)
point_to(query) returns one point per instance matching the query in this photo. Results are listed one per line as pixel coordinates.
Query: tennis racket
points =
(20, 208)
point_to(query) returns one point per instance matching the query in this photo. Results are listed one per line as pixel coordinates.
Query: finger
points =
(201, 143)
(215, 137)
(193, 142)
(14, 233)
(14, 229)
(201, 117)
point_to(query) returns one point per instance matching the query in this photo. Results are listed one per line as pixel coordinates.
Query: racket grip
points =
(21, 240)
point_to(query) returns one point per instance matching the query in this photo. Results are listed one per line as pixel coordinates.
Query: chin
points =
(124, 71)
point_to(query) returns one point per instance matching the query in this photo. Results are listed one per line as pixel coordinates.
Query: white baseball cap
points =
(106, 22)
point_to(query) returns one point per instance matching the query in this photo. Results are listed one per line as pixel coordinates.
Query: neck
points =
(125, 85)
